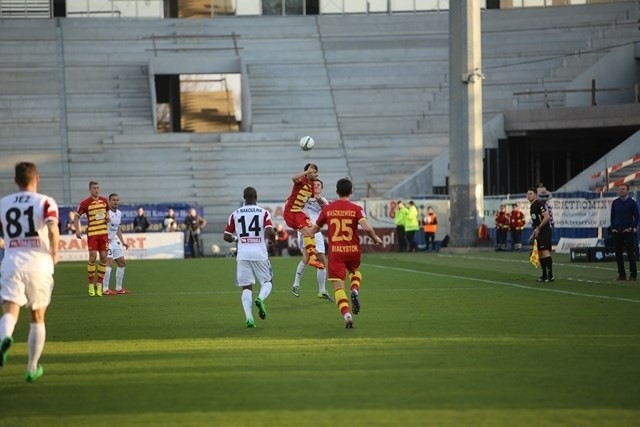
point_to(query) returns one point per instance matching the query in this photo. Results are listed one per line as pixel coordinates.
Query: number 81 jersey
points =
(24, 217)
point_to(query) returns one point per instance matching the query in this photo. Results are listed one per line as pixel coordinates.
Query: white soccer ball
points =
(307, 143)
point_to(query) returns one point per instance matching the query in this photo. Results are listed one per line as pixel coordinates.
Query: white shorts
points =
(248, 271)
(319, 243)
(32, 290)
(115, 250)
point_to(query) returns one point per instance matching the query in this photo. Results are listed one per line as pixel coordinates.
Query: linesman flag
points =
(535, 258)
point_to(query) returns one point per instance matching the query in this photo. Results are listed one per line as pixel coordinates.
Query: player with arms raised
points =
(30, 224)
(251, 226)
(95, 207)
(294, 215)
(343, 217)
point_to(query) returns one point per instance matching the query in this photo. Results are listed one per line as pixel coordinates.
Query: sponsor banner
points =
(155, 213)
(579, 255)
(382, 213)
(602, 254)
(567, 213)
(141, 246)
(566, 243)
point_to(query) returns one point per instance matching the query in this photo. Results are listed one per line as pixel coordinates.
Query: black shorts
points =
(544, 239)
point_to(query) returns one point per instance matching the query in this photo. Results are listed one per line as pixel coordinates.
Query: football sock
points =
(91, 271)
(247, 303)
(543, 265)
(37, 337)
(549, 267)
(355, 279)
(299, 273)
(7, 325)
(265, 290)
(341, 301)
(322, 280)
(107, 278)
(101, 268)
(309, 246)
(119, 278)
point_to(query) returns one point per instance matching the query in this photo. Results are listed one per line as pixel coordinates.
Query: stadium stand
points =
(371, 89)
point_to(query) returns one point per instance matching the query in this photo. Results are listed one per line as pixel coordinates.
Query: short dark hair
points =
(112, 194)
(534, 189)
(250, 194)
(92, 183)
(25, 173)
(321, 183)
(344, 187)
(308, 165)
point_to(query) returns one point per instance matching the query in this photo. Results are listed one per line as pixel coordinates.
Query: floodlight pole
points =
(466, 190)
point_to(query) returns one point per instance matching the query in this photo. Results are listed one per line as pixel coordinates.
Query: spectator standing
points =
(516, 225)
(170, 222)
(70, 226)
(251, 227)
(502, 228)
(282, 239)
(400, 219)
(140, 222)
(30, 222)
(412, 225)
(193, 229)
(430, 226)
(624, 226)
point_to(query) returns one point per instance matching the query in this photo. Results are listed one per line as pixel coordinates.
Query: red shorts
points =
(297, 220)
(98, 243)
(340, 264)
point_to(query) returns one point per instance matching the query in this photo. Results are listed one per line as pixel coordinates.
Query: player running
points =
(343, 216)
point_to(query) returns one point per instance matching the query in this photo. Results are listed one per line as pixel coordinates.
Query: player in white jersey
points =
(29, 221)
(251, 226)
(312, 209)
(115, 250)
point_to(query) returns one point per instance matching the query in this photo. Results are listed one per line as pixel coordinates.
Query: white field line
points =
(515, 285)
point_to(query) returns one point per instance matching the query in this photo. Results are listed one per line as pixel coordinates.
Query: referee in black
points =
(541, 233)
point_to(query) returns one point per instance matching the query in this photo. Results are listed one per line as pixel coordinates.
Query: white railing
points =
(26, 8)
(155, 8)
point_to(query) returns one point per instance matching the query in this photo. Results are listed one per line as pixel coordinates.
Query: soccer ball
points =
(307, 143)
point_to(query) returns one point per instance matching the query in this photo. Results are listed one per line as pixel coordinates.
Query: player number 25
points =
(343, 230)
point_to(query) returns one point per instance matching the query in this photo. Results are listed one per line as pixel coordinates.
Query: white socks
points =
(119, 278)
(247, 303)
(37, 337)
(7, 325)
(107, 278)
(265, 290)
(299, 273)
(322, 279)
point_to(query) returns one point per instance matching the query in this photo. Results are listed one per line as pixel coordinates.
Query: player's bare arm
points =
(76, 222)
(54, 239)
(121, 238)
(370, 231)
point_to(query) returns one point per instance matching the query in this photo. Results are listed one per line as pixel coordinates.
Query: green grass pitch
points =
(448, 339)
